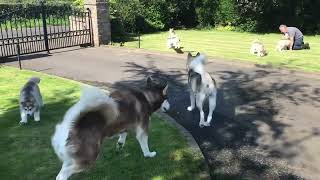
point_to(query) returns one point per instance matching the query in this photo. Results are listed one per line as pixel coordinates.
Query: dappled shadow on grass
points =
(232, 145)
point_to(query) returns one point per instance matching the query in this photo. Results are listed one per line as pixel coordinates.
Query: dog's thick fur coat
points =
(257, 48)
(173, 41)
(283, 45)
(202, 86)
(97, 115)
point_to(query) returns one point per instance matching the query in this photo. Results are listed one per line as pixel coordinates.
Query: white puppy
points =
(283, 45)
(257, 48)
(173, 41)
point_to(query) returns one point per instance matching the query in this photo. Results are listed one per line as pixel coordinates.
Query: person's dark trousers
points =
(298, 44)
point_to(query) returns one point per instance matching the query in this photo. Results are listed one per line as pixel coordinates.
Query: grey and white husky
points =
(202, 86)
(30, 100)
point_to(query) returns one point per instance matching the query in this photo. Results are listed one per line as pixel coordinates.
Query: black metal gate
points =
(38, 28)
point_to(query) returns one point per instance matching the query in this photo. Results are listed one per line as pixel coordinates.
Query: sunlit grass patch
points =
(236, 45)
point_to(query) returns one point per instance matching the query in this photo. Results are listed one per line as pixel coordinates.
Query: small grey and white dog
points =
(30, 100)
(202, 86)
(257, 48)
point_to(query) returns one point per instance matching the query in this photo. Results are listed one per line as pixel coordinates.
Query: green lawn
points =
(236, 45)
(26, 151)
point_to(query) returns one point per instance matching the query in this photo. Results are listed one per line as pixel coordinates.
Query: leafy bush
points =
(205, 11)
(226, 13)
(242, 15)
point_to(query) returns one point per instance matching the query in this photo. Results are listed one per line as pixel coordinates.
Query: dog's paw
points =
(207, 124)
(189, 108)
(150, 154)
(201, 125)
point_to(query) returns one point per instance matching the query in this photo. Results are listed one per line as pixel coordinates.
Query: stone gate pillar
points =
(101, 26)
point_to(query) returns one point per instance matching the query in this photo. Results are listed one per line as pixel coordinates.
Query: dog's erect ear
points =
(189, 55)
(149, 82)
(198, 54)
(165, 90)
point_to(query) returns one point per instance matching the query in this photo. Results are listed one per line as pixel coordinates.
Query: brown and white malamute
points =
(97, 115)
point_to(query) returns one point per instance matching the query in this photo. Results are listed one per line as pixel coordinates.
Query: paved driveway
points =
(266, 125)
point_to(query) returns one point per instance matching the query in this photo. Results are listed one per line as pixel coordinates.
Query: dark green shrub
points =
(226, 13)
(205, 12)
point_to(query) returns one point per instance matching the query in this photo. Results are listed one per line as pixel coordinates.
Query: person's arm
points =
(291, 43)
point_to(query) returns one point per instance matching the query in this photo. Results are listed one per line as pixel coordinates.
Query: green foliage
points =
(205, 11)
(152, 15)
(266, 16)
(127, 11)
(227, 14)
(243, 15)
(79, 3)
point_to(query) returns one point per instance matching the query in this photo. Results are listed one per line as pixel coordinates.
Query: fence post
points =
(90, 27)
(18, 55)
(139, 39)
(100, 15)
(45, 30)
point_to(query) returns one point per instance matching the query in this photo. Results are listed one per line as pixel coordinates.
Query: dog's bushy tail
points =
(91, 99)
(35, 80)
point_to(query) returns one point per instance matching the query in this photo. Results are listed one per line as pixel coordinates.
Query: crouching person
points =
(295, 36)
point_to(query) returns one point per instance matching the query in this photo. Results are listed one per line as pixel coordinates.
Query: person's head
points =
(283, 28)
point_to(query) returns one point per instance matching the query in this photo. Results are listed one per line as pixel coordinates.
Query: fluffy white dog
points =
(173, 41)
(257, 48)
(283, 45)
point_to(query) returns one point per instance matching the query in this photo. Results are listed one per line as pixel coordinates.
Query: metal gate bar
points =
(43, 27)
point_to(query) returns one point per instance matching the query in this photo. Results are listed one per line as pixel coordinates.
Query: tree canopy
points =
(243, 15)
